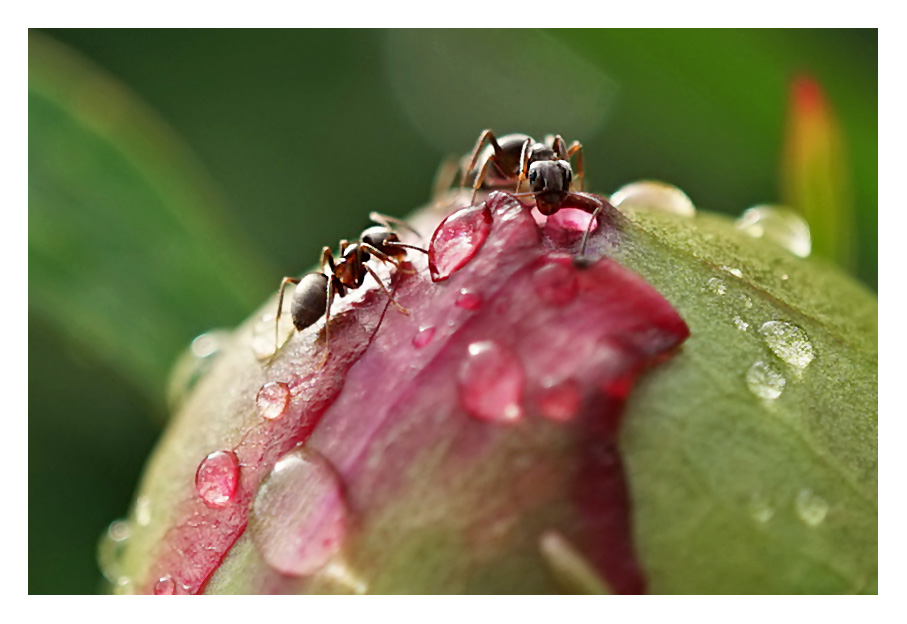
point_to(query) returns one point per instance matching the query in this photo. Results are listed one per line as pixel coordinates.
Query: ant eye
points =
(532, 176)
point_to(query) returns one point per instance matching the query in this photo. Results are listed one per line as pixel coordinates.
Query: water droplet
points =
(216, 478)
(555, 283)
(457, 240)
(732, 271)
(779, 225)
(491, 381)
(272, 399)
(741, 324)
(192, 365)
(423, 337)
(811, 508)
(143, 510)
(717, 285)
(560, 402)
(765, 381)
(469, 300)
(165, 586)
(654, 196)
(571, 219)
(789, 342)
(759, 509)
(110, 549)
(298, 521)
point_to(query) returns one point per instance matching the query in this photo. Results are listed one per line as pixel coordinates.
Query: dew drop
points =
(165, 586)
(733, 271)
(143, 510)
(110, 549)
(469, 300)
(654, 196)
(779, 225)
(272, 399)
(192, 365)
(811, 508)
(216, 478)
(491, 381)
(555, 283)
(716, 285)
(457, 240)
(759, 509)
(740, 324)
(765, 381)
(560, 402)
(790, 343)
(423, 336)
(298, 520)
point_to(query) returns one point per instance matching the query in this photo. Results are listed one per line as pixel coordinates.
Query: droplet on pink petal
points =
(216, 478)
(491, 381)
(298, 521)
(272, 399)
(555, 282)
(165, 586)
(457, 240)
(560, 402)
(423, 336)
(469, 300)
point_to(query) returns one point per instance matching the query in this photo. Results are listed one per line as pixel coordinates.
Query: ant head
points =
(550, 181)
(378, 235)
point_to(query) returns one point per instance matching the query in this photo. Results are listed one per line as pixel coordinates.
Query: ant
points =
(545, 165)
(315, 291)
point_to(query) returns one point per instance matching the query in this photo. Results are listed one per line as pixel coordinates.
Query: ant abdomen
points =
(310, 300)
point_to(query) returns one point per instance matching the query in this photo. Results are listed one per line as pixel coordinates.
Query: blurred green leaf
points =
(129, 252)
(752, 454)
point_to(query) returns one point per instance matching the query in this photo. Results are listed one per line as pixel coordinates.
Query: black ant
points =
(545, 165)
(315, 291)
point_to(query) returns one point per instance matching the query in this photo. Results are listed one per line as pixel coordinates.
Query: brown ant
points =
(545, 165)
(315, 291)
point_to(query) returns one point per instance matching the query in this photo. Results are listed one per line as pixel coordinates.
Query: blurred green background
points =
(176, 175)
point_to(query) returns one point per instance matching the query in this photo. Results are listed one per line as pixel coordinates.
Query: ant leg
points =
(383, 257)
(384, 288)
(480, 178)
(524, 164)
(557, 143)
(595, 214)
(577, 148)
(388, 222)
(283, 285)
(327, 259)
(406, 246)
(487, 135)
(327, 322)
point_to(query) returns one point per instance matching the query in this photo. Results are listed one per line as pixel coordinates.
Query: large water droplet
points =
(560, 402)
(457, 240)
(491, 381)
(165, 586)
(778, 224)
(469, 300)
(272, 399)
(765, 381)
(423, 337)
(811, 508)
(789, 342)
(110, 549)
(298, 521)
(654, 196)
(216, 478)
(555, 283)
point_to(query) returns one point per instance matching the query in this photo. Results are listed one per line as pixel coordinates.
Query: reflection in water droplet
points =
(423, 337)
(765, 381)
(778, 224)
(216, 478)
(469, 300)
(759, 509)
(491, 381)
(569, 566)
(716, 285)
(654, 196)
(298, 521)
(272, 399)
(555, 283)
(741, 324)
(560, 402)
(143, 510)
(110, 549)
(811, 508)
(789, 342)
(457, 240)
(165, 586)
